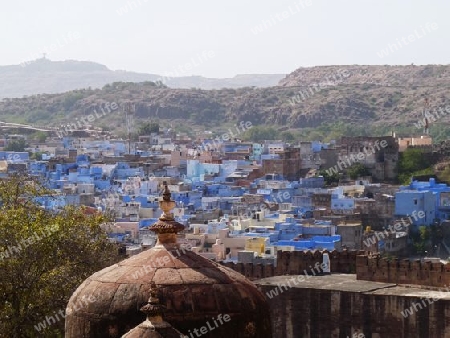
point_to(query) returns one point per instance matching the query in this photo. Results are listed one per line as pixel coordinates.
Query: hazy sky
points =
(223, 38)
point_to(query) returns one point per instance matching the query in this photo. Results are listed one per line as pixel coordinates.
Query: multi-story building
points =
(378, 154)
(288, 163)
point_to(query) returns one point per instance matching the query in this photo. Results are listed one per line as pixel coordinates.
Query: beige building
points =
(351, 235)
(405, 142)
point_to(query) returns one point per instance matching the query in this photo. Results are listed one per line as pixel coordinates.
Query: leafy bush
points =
(357, 170)
(261, 133)
(413, 162)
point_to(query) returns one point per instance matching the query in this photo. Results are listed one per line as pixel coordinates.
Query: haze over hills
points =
(335, 100)
(43, 76)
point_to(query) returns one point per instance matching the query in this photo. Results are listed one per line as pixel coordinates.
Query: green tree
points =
(445, 175)
(357, 170)
(412, 162)
(70, 99)
(40, 136)
(44, 256)
(148, 127)
(36, 156)
(18, 145)
(287, 136)
(329, 178)
(421, 240)
(261, 133)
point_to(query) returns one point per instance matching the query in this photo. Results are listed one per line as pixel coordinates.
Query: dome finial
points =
(166, 224)
(153, 309)
(166, 193)
(154, 322)
(166, 204)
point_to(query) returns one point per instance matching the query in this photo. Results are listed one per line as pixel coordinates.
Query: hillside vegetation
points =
(310, 102)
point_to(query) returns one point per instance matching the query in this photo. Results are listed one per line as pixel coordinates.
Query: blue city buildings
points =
(423, 202)
(103, 175)
(292, 233)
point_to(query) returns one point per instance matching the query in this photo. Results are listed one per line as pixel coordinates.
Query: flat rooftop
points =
(349, 283)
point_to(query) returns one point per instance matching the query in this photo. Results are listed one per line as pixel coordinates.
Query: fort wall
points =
(366, 267)
(340, 306)
(298, 263)
(402, 271)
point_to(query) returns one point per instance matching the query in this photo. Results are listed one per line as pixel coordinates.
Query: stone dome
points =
(195, 292)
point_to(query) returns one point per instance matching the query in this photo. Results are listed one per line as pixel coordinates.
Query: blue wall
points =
(410, 202)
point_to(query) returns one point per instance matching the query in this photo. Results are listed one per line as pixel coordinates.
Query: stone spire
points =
(166, 227)
(153, 309)
(154, 326)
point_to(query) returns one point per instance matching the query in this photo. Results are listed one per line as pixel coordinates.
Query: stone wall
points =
(366, 267)
(363, 295)
(339, 306)
(298, 262)
(405, 271)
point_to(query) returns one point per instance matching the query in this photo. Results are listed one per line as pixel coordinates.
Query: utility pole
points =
(129, 110)
(426, 113)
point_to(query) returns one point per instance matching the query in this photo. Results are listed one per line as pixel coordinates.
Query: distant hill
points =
(315, 102)
(45, 76)
(427, 75)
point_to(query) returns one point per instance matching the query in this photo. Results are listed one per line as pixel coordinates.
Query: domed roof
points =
(194, 290)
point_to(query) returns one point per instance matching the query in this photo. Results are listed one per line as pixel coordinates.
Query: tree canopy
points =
(18, 145)
(148, 127)
(357, 170)
(261, 133)
(329, 176)
(44, 256)
(412, 162)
